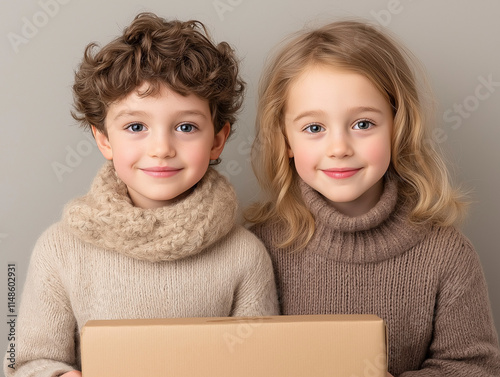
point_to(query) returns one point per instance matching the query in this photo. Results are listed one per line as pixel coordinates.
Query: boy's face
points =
(161, 146)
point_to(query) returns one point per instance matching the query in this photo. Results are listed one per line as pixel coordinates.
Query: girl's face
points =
(339, 129)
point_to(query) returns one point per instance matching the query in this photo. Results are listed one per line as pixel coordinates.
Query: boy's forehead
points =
(163, 101)
(160, 90)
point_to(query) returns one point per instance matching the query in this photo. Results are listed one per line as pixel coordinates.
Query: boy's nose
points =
(162, 147)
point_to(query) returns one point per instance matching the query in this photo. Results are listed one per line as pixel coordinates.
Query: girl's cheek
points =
(305, 162)
(379, 153)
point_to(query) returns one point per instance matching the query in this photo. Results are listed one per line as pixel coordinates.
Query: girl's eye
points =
(186, 127)
(135, 127)
(314, 128)
(363, 125)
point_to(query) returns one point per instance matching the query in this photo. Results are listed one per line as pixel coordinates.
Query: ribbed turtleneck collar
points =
(383, 232)
(106, 218)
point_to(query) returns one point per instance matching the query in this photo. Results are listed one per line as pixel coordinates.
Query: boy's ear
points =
(102, 143)
(219, 141)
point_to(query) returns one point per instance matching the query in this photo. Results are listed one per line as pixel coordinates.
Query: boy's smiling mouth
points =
(161, 171)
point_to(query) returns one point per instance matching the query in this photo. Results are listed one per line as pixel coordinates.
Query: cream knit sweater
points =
(426, 283)
(107, 259)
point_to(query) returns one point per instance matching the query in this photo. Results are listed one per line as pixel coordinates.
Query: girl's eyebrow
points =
(310, 113)
(353, 110)
(364, 109)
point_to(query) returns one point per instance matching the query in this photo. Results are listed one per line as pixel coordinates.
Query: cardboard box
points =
(288, 346)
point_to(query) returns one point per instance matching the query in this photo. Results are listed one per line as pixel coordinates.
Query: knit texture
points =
(106, 218)
(425, 282)
(109, 260)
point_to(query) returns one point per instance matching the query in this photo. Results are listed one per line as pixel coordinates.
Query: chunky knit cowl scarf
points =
(105, 217)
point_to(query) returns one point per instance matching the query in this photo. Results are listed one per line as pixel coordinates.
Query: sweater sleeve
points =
(464, 340)
(45, 339)
(256, 293)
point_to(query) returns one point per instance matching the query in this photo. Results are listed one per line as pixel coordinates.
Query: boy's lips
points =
(161, 171)
(340, 173)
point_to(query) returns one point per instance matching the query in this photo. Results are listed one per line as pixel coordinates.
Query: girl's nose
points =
(340, 145)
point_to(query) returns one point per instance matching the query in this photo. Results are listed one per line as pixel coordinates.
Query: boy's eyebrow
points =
(133, 113)
(353, 110)
(193, 112)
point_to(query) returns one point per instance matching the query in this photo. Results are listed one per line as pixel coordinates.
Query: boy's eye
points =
(185, 127)
(135, 127)
(363, 125)
(314, 128)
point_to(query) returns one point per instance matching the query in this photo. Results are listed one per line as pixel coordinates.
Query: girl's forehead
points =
(319, 81)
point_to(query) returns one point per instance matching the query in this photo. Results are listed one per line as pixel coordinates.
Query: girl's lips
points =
(341, 173)
(161, 172)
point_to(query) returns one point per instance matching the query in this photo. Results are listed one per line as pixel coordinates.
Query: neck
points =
(362, 204)
(383, 232)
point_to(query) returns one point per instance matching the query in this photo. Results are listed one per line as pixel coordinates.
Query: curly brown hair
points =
(155, 51)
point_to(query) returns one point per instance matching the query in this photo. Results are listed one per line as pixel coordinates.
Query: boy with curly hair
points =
(155, 237)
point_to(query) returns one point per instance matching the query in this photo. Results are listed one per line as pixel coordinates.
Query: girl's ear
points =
(102, 143)
(219, 141)
(288, 148)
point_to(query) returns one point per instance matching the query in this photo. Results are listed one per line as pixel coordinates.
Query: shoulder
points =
(458, 260)
(450, 244)
(55, 236)
(54, 243)
(269, 233)
(263, 227)
(245, 246)
(244, 239)
(461, 278)
(449, 237)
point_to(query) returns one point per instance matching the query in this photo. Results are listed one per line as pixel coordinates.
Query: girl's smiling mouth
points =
(341, 173)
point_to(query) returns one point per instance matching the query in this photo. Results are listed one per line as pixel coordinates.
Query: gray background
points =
(42, 42)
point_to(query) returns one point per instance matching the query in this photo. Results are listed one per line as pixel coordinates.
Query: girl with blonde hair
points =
(359, 215)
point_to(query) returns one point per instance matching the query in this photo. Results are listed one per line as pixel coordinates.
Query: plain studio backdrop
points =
(46, 159)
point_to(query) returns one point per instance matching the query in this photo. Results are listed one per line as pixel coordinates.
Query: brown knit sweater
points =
(426, 283)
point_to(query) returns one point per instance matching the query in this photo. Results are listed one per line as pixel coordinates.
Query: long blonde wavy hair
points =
(361, 48)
